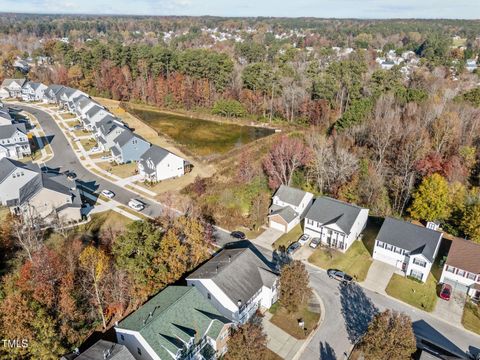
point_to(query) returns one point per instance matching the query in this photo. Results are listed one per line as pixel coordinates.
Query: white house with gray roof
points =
(14, 141)
(94, 115)
(409, 247)
(33, 91)
(338, 224)
(157, 164)
(237, 282)
(11, 88)
(50, 94)
(104, 350)
(288, 208)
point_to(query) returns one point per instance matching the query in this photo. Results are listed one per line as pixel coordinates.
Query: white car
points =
(304, 239)
(136, 205)
(107, 193)
(95, 149)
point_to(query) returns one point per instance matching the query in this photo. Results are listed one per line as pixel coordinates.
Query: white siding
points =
(134, 341)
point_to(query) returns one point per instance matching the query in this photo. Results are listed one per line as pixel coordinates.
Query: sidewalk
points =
(279, 341)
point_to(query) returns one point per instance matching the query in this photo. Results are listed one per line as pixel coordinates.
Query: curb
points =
(312, 334)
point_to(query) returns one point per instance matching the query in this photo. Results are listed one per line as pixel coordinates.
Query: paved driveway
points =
(267, 238)
(379, 276)
(452, 310)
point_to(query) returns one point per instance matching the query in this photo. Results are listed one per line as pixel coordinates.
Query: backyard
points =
(420, 295)
(200, 137)
(355, 261)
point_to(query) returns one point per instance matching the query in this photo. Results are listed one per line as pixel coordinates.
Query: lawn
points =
(121, 170)
(355, 261)
(67, 116)
(201, 137)
(471, 317)
(422, 296)
(88, 144)
(289, 322)
(288, 238)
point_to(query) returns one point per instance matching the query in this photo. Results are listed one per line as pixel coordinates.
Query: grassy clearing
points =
(201, 137)
(471, 317)
(355, 261)
(289, 322)
(288, 238)
(421, 295)
(121, 170)
(88, 144)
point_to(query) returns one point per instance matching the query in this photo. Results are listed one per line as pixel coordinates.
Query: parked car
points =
(445, 292)
(238, 235)
(107, 193)
(315, 242)
(95, 149)
(340, 276)
(136, 204)
(293, 248)
(304, 239)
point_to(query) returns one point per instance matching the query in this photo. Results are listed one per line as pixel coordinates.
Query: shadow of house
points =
(431, 341)
(327, 352)
(357, 310)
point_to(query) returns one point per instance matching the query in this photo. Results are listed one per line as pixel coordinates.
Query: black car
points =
(238, 235)
(293, 248)
(340, 276)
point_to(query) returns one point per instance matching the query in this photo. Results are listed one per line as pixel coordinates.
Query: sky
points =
(458, 9)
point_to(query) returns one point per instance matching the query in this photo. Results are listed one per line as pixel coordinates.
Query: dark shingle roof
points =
(465, 255)
(8, 82)
(239, 273)
(287, 213)
(6, 131)
(124, 137)
(7, 166)
(173, 317)
(93, 110)
(98, 351)
(290, 195)
(155, 154)
(414, 238)
(327, 211)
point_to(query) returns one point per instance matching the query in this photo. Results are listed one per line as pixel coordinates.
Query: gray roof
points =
(34, 85)
(239, 273)
(8, 82)
(98, 350)
(7, 166)
(52, 91)
(290, 195)
(287, 213)
(107, 124)
(327, 211)
(6, 131)
(93, 110)
(155, 154)
(115, 151)
(124, 138)
(414, 238)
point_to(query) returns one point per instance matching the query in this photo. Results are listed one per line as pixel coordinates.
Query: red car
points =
(446, 292)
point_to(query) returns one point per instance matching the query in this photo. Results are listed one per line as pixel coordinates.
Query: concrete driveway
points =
(452, 310)
(379, 276)
(267, 238)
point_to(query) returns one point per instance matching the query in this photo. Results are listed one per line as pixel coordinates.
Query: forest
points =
(405, 145)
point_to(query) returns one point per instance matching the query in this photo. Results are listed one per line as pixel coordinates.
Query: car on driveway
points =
(446, 292)
(136, 205)
(304, 239)
(340, 276)
(107, 193)
(314, 243)
(238, 235)
(293, 248)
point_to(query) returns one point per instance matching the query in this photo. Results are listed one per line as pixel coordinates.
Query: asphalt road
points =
(347, 309)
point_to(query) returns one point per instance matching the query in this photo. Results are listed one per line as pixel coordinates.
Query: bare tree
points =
(28, 230)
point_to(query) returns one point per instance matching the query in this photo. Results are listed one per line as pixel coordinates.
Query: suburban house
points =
(94, 115)
(28, 191)
(83, 103)
(33, 91)
(288, 208)
(462, 268)
(337, 223)
(107, 130)
(409, 247)
(177, 323)
(157, 164)
(14, 141)
(5, 117)
(128, 147)
(12, 88)
(237, 282)
(102, 350)
(66, 96)
(50, 94)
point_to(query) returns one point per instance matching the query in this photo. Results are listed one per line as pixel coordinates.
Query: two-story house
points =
(94, 115)
(177, 323)
(33, 91)
(14, 141)
(50, 94)
(237, 282)
(107, 130)
(409, 247)
(462, 268)
(157, 164)
(66, 98)
(288, 208)
(5, 117)
(337, 223)
(12, 88)
(128, 147)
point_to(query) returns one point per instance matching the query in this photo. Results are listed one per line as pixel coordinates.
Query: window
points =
(450, 269)
(122, 337)
(380, 244)
(471, 276)
(460, 272)
(419, 262)
(139, 351)
(209, 296)
(416, 274)
(389, 247)
(398, 250)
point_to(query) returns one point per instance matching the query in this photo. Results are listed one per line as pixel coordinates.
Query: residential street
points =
(348, 309)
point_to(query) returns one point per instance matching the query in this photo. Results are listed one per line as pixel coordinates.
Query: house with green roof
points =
(177, 323)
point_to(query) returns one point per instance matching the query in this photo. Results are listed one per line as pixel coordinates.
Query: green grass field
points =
(289, 322)
(420, 295)
(288, 238)
(471, 317)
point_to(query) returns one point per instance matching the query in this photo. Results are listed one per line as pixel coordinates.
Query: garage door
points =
(456, 286)
(276, 225)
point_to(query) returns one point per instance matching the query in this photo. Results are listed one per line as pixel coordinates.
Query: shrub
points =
(229, 108)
